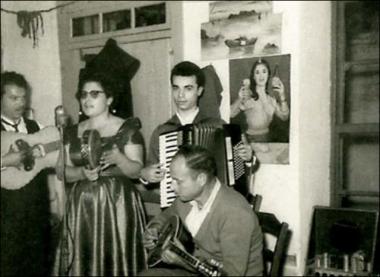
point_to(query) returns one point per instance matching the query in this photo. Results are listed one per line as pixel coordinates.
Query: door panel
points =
(150, 86)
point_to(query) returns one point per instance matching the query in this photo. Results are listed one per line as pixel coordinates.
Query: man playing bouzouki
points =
(221, 222)
(25, 212)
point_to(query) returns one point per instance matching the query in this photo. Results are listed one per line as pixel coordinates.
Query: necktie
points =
(14, 126)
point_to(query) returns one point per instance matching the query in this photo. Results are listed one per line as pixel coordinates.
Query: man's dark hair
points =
(188, 69)
(198, 159)
(13, 78)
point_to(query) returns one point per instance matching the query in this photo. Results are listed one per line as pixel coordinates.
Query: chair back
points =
(255, 201)
(274, 260)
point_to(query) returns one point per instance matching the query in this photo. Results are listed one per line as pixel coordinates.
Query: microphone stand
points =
(65, 258)
(63, 151)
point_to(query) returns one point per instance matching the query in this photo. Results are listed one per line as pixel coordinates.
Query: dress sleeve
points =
(136, 138)
(129, 133)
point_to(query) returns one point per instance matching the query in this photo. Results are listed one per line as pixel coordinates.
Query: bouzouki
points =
(174, 229)
(41, 154)
(41, 151)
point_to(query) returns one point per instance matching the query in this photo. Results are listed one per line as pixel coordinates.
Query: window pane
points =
(362, 30)
(86, 25)
(118, 20)
(361, 164)
(362, 94)
(150, 15)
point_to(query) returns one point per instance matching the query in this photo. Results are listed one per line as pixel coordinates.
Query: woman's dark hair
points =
(105, 81)
(187, 69)
(198, 159)
(255, 95)
(13, 78)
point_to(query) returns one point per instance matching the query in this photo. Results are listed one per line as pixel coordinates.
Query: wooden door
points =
(150, 86)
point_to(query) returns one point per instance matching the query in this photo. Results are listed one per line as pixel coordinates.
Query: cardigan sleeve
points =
(159, 220)
(237, 245)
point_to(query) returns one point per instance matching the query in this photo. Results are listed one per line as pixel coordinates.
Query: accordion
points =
(221, 140)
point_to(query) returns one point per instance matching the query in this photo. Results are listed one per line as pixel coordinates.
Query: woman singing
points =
(104, 220)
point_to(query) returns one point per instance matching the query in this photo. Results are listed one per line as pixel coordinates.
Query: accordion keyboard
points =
(168, 148)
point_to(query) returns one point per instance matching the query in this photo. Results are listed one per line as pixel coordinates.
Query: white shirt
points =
(196, 216)
(189, 118)
(21, 125)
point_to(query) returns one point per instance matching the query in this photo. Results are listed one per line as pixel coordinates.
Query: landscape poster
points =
(239, 29)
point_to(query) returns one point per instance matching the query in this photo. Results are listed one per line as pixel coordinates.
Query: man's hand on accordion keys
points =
(153, 173)
(244, 150)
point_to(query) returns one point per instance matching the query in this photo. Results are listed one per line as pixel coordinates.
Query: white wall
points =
(290, 191)
(39, 65)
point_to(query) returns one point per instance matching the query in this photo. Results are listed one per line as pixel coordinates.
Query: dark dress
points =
(104, 223)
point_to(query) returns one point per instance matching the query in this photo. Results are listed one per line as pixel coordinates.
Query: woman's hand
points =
(91, 174)
(153, 173)
(278, 87)
(245, 93)
(111, 157)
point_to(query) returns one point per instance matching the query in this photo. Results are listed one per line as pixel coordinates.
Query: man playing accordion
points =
(188, 82)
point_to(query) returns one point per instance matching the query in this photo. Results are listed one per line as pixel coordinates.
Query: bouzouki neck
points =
(52, 146)
(202, 267)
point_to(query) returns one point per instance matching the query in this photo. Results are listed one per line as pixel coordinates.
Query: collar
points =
(210, 199)
(199, 118)
(10, 121)
(188, 119)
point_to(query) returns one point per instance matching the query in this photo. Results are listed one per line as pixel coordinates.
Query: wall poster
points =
(238, 29)
(260, 104)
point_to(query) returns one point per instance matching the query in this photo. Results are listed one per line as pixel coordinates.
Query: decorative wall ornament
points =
(30, 22)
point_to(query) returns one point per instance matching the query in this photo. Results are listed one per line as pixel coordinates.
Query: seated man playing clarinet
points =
(188, 82)
(225, 231)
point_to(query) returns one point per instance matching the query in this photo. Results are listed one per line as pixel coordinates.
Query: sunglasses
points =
(93, 93)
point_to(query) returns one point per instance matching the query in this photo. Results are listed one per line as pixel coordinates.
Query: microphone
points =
(61, 118)
(61, 121)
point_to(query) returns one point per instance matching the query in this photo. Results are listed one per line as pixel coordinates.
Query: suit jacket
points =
(230, 233)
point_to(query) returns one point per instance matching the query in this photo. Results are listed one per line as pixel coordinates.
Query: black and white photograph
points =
(189, 138)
